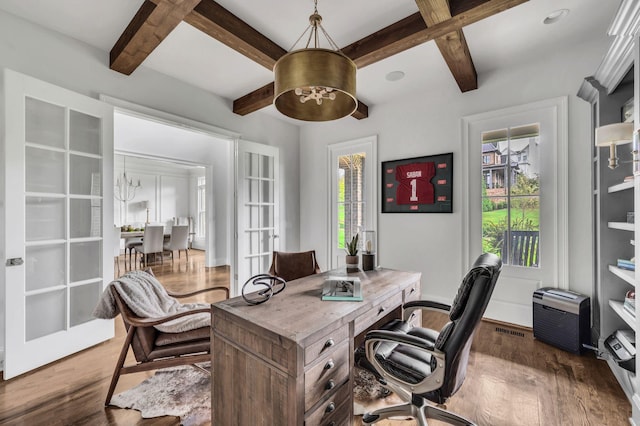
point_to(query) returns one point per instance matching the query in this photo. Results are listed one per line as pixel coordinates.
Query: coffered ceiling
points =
(229, 47)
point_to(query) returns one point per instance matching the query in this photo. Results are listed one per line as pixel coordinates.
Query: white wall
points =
(165, 186)
(68, 63)
(430, 123)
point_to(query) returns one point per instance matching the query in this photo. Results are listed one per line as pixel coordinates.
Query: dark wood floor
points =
(511, 380)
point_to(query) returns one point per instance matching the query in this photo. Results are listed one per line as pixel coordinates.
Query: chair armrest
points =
(426, 305)
(203, 290)
(399, 338)
(150, 322)
(431, 382)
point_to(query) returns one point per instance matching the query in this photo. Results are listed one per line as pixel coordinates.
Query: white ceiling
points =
(511, 37)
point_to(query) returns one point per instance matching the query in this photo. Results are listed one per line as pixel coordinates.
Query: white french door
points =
(353, 196)
(58, 157)
(257, 208)
(499, 204)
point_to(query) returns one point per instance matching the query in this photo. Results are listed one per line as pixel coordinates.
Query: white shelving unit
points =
(613, 84)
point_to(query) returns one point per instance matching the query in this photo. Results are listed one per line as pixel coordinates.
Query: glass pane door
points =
(258, 230)
(55, 201)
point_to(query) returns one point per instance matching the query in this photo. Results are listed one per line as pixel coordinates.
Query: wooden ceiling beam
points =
(216, 21)
(149, 27)
(453, 46)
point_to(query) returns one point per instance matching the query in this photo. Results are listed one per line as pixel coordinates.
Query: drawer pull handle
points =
(329, 343)
(412, 291)
(329, 365)
(330, 408)
(381, 310)
(330, 385)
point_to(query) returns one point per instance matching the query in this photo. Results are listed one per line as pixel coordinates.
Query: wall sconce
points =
(613, 135)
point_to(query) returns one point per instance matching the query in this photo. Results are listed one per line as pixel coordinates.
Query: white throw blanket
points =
(147, 298)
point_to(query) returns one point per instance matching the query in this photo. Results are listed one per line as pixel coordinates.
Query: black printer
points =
(562, 318)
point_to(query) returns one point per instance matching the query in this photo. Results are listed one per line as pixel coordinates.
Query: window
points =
(350, 202)
(201, 228)
(511, 212)
(352, 198)
(519, 209)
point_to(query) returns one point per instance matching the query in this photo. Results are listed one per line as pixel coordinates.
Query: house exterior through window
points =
(511, 194)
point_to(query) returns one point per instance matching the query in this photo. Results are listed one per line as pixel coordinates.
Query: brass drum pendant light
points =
(315, 84)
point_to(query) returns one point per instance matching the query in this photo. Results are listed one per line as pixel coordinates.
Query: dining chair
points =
(179, 240)
(152, 243)
(130, 245)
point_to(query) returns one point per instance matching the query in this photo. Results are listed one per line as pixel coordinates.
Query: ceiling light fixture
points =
(312, 83)
(125, 189)
(555, 16)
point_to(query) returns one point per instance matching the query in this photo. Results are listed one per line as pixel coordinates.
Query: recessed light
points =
(395, 76)
(555, 16)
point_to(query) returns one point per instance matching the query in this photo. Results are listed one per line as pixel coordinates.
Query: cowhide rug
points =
(369, 394)
(183, 392)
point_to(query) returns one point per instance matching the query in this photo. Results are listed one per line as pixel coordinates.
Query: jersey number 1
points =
(414, 186)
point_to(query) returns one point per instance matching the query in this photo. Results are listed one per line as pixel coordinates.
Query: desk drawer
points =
(323, 378)
(412, 293)
(326, 344)
(333, 409)
(376, 313)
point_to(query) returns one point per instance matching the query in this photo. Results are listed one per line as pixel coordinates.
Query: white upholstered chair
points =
(152, 242)
(179, 240)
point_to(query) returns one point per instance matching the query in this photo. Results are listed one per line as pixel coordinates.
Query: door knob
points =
(15, 261)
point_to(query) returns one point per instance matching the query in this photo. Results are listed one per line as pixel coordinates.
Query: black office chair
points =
(423, 365)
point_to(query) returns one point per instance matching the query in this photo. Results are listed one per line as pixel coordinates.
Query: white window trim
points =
(560, 106)
(353, 146)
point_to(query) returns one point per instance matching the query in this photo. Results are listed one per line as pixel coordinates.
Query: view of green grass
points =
(496, 216)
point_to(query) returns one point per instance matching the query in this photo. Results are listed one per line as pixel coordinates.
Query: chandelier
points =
(315, 84)
(125, 190)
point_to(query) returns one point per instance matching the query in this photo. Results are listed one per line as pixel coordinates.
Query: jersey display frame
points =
(418, 184)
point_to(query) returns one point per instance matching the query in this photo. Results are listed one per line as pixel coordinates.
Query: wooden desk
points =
(288, 361)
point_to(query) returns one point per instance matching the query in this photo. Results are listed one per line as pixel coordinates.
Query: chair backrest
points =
(467, 310)
(291, 266)
(523, 248)
(179, 237)
(153, 239)
(143, 338)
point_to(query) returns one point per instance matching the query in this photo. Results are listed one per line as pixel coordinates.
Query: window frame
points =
(369, 146)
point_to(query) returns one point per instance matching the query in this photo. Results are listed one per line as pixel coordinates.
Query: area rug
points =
(369, 394)
(183, 392)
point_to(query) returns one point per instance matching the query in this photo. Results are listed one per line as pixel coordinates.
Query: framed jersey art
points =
(418, 185)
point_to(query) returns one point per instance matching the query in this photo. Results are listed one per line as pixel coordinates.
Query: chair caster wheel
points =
(369, 418)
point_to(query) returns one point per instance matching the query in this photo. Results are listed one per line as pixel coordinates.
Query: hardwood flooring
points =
(512, 379)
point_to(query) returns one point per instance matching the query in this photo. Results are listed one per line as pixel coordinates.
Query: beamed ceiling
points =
(229, 47)
(439, 20)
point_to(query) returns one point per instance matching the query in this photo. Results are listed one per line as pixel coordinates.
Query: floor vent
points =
(509, 332)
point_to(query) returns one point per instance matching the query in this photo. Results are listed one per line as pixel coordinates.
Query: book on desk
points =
(342, 288)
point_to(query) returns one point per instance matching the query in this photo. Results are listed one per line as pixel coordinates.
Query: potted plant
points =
(352, 253)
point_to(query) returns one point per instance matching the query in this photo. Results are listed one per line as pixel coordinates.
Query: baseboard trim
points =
(507, 324)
